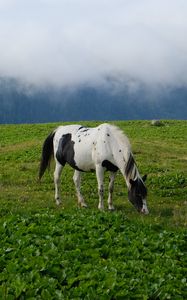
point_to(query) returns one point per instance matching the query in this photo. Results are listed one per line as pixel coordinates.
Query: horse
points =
(102, 148)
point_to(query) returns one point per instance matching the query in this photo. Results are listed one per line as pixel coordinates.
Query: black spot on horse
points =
(84, 129)
(109, 166)
(65, 153)
(108, 134)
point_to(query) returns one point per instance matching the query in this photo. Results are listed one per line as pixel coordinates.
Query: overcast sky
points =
(69, 42)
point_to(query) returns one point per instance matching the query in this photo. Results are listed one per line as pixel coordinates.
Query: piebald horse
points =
(97, 149)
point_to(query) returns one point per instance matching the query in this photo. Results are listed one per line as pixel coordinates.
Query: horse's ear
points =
(144, 178)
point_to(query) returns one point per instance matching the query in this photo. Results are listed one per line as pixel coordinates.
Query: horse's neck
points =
(131, 170)
(127, 165)
(123, 156)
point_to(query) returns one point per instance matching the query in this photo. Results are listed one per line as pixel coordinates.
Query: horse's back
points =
(74, 144)
(88, 146)
(61, 130)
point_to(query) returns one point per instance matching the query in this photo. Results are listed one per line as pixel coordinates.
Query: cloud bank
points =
(72, 42)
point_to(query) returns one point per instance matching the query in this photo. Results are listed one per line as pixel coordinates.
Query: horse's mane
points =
(131, 169)
(121, 137)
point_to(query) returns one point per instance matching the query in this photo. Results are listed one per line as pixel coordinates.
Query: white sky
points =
(70, 42)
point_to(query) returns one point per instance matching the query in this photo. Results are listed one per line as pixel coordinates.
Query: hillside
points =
(66, 252)
(20, 104)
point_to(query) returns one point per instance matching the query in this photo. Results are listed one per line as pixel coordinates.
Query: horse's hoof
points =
(58, 202)
(101, 208)
(111, 208)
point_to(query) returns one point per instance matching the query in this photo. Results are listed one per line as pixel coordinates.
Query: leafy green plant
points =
(89, 253)
(49, 252)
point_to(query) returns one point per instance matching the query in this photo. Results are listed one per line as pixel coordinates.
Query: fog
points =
(72, 42)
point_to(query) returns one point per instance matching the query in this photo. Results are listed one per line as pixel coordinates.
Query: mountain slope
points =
(23, 105)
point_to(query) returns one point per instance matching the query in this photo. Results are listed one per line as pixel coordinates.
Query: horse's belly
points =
(83, 159)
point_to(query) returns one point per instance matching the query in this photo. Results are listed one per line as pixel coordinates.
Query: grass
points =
(146, 249)
(160, 152)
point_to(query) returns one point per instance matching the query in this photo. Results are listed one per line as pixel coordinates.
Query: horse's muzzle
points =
(144, 211)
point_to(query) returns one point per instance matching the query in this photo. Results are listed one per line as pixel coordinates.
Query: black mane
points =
(130, 165)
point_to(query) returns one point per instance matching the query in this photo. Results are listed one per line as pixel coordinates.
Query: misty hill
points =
(29, 105)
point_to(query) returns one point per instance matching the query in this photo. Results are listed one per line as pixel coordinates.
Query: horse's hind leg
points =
(111, 188)
(100, 178)
(77, 182)
(57, 173)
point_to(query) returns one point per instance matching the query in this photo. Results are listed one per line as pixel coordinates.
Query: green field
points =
(65, 252)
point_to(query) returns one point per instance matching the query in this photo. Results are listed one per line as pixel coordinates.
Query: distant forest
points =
(28, 105)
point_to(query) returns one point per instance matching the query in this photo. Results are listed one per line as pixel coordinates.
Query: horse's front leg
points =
(111, 188)
(100, 178)
(77, 182)
(57, 173)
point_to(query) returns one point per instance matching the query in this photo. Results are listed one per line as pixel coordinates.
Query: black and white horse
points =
(86, 149)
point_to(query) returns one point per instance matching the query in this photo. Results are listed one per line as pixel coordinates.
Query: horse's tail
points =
(47, 152)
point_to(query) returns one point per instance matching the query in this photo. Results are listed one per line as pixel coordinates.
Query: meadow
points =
(65, 252)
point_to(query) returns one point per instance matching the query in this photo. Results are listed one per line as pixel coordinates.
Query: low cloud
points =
(72, 42)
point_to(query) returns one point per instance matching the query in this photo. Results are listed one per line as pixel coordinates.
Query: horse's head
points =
(137, 194)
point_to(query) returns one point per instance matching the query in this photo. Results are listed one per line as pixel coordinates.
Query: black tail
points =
(47, 152)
